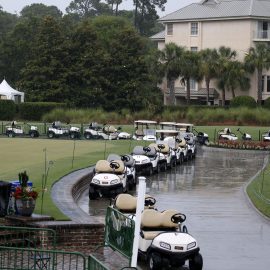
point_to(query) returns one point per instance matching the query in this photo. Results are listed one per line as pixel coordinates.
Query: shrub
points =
(243, 101)
(267, 103)
(35, 110)
(7, 109)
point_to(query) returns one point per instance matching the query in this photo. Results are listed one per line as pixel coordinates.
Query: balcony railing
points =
(262, 34)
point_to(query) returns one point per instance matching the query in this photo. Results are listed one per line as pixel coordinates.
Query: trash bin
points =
(5, 189)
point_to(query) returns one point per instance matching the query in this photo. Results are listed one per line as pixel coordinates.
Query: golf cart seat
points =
(139, 133)
(153, 222)
(127, 203)
(166, 149)
(130, 162)
(120, 169)
(110, 129)
(103, 166)
(182, 143)
(152, 152)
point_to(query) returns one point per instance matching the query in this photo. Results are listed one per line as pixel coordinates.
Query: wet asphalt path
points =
(210, 191)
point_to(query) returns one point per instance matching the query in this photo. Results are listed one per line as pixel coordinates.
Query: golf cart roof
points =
(167, 123)
(183, 125)
(145, 122)
(171, 131)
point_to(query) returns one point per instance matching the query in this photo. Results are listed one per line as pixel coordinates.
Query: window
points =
(194, 29)
(193, 84)
(194, 49)
(263, 79)
(169, 29)
(268, 84)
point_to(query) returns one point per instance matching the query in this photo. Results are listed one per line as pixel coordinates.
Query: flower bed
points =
(251, 145)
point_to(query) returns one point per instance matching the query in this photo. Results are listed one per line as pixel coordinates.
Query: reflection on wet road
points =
(209, 190)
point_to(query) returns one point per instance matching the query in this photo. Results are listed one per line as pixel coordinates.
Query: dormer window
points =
(169, 29)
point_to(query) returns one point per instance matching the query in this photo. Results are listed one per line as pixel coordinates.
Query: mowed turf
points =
(19, 154)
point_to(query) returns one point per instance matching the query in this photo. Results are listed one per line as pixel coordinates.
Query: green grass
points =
(19, 154)
(259, 192)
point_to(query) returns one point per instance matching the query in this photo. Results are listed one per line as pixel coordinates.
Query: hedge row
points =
(35, 110)
(7, 109)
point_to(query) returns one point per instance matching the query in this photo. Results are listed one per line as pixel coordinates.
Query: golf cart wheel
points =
(158, 168)
(72, 136)
(182, 159)
(150, 170)
(11, 134)
(50, 135)
(93, 195)
(154, 261)
(196, 263)
(32, 134)
(88, 136)
(164, 167)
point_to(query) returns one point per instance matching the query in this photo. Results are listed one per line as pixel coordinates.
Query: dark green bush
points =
(243, 101)
(7, 109)
(267, 103)
(35, 110)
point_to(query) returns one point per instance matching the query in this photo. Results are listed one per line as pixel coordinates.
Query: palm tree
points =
(208, 67)
(190, 69)
(258, 58)
(170, 60)
(236, 77)
(225, 56)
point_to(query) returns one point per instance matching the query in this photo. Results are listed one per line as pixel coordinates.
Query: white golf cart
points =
(163, 241)
(167, 125)
(245, 136)
(145, 130)
(110, 179)
(227, 134)
(15, 130)
(143, 162)
(171, 138)
(129, 163)
(201, 137)
(96, 131)
(266, 136)
(57, 130)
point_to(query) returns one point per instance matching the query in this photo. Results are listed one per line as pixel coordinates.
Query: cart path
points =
(210, 191)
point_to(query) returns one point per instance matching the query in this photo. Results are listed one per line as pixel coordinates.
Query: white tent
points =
(7, 92)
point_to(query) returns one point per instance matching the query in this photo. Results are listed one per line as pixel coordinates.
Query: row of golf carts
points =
(57, 130)
(164, 242)
(117, 174)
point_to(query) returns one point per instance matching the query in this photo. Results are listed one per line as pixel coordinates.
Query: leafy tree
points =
(88, 8)
(258, 59)
(225, 55)
(40, 10)
(7, 22)
(145, 14)
(190, 69)
(208, 67)
(43, 77)
(170, 58)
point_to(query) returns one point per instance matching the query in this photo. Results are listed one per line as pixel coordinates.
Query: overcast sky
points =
(15, 6)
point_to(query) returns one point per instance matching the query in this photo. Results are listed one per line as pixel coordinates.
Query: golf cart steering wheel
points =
(161, 146)
(178, 218)
(149, 201)
(146, 149)
(114, 165)
(125, 158)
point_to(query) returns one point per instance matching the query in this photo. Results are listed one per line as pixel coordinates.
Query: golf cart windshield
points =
(151, 132)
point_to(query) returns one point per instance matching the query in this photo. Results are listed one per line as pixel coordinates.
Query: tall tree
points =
(225, 55)
(208, 66)
(190, 69)
(258, 59)
(170, 58)
(43, 78)
(40, 10)
(88, 8)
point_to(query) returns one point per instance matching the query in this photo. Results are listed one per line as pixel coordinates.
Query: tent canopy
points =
(7, 92)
